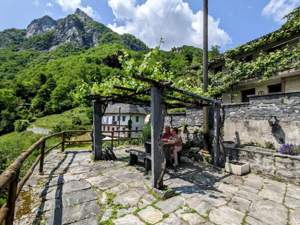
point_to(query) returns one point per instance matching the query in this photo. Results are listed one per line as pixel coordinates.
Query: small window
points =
(114, 118)
(274, 88)
(247, 59)
(112, 128)
(108, 128)
(137, 119)
(245, 94)
(275, 49)
(123, 118)
(118, 118)
(136, 129)
(218, 69)
(123, 128)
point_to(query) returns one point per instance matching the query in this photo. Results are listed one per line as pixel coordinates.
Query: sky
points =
(177, 22)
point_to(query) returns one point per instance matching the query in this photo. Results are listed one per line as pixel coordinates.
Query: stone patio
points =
(75, 190)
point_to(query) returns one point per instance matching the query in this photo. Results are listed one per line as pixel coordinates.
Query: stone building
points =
(282, 81)
(112, 118)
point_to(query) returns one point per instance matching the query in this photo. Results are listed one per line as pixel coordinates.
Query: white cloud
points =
(249, 7)
(277, 9)
(72, 5)
(174, 22)
(36, 3)
(48, 13)
(49, 4)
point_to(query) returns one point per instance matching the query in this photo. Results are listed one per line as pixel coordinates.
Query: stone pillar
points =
(97, 129)
(157, 123)
(217, 134)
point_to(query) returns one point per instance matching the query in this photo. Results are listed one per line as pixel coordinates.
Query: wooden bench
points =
(135, 154)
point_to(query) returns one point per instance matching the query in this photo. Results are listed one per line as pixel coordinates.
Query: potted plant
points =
(237, 168)
(145, 137)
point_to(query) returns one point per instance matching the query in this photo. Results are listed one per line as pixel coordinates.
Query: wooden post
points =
(63, 139)
(112, 140)
(217, 134)
(11, 200)
(97, 126)
(157, 123)
(42, 158)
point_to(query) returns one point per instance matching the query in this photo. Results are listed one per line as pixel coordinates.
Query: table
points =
(166, 148)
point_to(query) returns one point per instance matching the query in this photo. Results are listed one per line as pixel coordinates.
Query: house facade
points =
(285, 76)
(118, 115)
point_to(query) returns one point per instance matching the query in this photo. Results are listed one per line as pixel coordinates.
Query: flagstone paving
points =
(76, 190)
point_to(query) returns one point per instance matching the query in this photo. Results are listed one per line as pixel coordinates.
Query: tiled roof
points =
(125, 109)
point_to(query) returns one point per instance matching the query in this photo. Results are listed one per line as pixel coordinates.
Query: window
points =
(137, 119)
(118, 118)
(114, 118)
(123, 118)
(246, 59)
(136, 129)
(275, 49)
(112, 128)
(218, 69)
(108, 128)
(245, 94)
(274, 88)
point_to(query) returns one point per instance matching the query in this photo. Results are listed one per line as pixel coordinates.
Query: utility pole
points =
(119, 124)
(205, 76)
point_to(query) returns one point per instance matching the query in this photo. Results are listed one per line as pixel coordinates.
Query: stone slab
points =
(107, 215)
(78, 197)
(292, 202)
(75, 186)
(131, 197)
(192, 218)
(269, 212)
(72, 214)
(171, 204)
(228, 188)
(253, 221)
(119, 189)
(271, 195)
(239, 204)
(172, 220)
(150, 215)
(248, 195)
(50, 193)
(128, 220)
(122, 212)
(294, 217)
(108, 183)
(146, 199)
(89, 221)
(226, 215)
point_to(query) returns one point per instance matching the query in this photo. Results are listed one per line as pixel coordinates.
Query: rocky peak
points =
(41, 26)
(82, 15)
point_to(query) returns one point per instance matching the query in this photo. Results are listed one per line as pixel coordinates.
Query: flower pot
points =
(229, 144)
(237, 168)
(147, 147)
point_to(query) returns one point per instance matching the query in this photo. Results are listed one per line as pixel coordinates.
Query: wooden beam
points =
(124, 88)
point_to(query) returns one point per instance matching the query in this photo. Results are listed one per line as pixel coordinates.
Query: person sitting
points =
(175, 138)
(167, 134)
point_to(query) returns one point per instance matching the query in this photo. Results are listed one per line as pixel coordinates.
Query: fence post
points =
(42, 158)
(112, 140)
(63, 142)
(11, 200)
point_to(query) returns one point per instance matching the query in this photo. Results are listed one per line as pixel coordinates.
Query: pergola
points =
(160, 93)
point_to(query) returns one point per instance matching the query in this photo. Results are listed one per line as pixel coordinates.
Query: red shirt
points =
(167, 135)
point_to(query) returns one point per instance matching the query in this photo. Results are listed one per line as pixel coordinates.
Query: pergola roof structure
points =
(160, 99)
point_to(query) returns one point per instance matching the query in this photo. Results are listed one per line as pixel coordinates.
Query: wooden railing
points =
(9, 178)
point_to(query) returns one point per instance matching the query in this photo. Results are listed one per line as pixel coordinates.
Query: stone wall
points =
(269, 163)
(249, 122)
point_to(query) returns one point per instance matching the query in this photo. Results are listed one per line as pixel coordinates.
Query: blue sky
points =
(178, 22)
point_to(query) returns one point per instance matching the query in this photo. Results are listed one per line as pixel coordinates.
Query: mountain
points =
(46, 34)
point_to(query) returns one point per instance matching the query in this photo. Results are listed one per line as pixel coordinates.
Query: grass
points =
(51, 120)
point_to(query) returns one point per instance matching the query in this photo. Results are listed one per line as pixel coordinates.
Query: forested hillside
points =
(43, 67)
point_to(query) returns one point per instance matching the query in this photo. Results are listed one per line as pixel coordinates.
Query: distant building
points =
(111, 119)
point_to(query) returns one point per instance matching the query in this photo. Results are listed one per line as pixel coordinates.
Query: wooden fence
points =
(9, 178)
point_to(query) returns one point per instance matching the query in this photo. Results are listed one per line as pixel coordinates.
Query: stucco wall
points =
(249, 122)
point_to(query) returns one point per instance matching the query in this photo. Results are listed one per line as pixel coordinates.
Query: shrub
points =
(21, 125)
(146, 132)
(290, 149)
(76, 120)
(269, 145)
